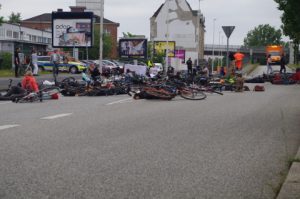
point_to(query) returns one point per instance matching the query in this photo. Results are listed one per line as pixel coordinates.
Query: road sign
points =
(228, 30)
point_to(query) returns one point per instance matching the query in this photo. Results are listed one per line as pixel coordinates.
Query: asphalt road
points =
(231, 146)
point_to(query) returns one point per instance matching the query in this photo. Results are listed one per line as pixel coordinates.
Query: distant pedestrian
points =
(205, 71)
(269, 65)
(239, 83)
(17, 61)
(34, 63)
(238, 60)
(189, 64)
(282, 63)
(55, 60)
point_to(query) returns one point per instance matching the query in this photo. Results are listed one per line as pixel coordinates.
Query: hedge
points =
(6, 62)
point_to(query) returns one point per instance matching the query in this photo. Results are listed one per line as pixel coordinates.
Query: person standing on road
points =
(55, 60)
(34, 62)
(189, 64)
(282, 63)
(17, 61)
(269, 65)
(239, 60)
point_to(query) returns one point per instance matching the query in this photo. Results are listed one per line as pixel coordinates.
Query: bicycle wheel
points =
(68, 79)
(192, 94)
(31, 97)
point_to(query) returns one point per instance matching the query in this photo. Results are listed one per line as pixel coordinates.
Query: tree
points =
(263, 35)
(107, 45)
(291, 21)
(14, 18)
(1, 18)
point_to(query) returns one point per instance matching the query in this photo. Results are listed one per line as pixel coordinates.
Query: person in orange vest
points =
(238, 60)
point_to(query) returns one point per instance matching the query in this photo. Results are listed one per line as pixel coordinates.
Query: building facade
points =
(44, 22)
(13, 36)
(176, 21)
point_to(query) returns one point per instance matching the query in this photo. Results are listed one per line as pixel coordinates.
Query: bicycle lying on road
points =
(167, 91)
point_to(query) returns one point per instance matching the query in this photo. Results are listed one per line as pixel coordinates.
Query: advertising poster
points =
(133, 48)
(72, 29)
(180, 54)
(161, 46)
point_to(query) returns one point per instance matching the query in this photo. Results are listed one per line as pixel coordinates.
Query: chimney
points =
(77, 8)
(59, 10)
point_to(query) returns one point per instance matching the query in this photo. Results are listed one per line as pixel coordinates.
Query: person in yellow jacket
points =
(150, 64)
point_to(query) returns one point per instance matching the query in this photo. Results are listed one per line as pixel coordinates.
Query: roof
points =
(194, 12)
(47, 17)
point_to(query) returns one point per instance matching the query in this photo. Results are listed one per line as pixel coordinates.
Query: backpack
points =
(259, 88)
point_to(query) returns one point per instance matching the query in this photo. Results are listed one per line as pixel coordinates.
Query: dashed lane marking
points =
(56, 116)
(3, 103)
(3, 127)
(120, 101)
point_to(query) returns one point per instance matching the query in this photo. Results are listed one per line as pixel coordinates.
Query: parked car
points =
(159, 66)
(72, 66)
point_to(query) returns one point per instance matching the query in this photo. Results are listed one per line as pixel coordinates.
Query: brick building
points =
(44, 22)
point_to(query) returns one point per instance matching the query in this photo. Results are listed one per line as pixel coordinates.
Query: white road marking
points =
(8, 126)
(56, 116)
(2, 103)
(120, 101)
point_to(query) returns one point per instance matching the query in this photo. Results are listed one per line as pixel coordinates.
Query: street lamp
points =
(213, 47)
(167, 37)
(101, 35)
(198, 39)
(219, 48)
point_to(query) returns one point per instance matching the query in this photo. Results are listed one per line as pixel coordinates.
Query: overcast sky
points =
(134, 15)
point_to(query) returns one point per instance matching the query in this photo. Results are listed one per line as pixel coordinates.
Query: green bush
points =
(6, 60)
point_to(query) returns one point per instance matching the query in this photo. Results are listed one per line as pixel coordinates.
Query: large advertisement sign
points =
(180, 54)
(161, 46)
(72, 29)
(133, 48)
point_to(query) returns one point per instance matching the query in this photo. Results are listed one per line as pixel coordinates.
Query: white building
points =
(91, 5)
(182, 25)
(12, 36)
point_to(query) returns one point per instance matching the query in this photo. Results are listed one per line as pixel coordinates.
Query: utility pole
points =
(213, 47)
(167, 38)
(101, 35)
(228, 30)
(198, 36)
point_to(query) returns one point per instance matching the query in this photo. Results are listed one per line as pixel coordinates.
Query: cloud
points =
(134, 15)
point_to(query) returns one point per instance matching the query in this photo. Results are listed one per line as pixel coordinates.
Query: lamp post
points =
(222, 51)
(167, 37)
(101, 35)
(213, 47)
(198, 36)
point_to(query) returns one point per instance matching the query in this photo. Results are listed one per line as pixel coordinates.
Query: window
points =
(29, 37)
(40, 39)
(33, 38)
(15, 35)
(2, 32)
(9, 33)
(107, 32)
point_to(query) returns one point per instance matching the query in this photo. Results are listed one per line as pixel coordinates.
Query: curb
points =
(291, 187)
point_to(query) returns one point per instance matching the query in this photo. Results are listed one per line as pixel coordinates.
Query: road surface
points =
(231, 146)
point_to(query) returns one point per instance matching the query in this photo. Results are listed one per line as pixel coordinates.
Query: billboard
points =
(72, 29)
(133, 48)
(161, 46)
(180, 54)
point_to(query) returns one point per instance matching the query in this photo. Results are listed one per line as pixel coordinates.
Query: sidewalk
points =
(291, 187)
